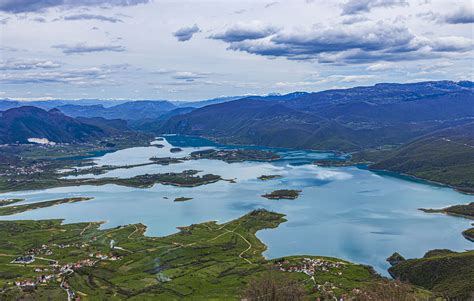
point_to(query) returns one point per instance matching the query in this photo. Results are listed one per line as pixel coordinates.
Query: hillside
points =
(444, 272)
(19, 124)
(444, 156)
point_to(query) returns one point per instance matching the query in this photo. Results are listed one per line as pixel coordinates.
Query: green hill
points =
(446, 273)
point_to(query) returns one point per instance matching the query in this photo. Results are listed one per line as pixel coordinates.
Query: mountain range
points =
(346, 119)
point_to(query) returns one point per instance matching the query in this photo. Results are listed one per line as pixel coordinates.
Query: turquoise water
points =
(344, 212)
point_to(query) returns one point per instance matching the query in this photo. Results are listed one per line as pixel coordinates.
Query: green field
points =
(207, 261)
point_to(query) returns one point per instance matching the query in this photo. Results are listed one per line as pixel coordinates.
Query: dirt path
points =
(85, 229)
(130, 235)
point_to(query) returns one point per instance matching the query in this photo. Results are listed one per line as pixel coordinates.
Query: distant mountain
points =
(346, 119)
(207, 102)
(54, 103)
(132, 110)
(20, 124)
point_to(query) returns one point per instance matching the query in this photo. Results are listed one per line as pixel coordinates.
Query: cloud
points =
(463, 15)
(352, 7)
(188, 76)
(366, 42)
(21, 6)
(39, 20)
(186, 33)
(451, 44)
(81, 77)
(182, 76)
(327, 79)
(84, 48)
(28, 64)
(92, 17)
(354, 19)
(271, 4)
(245, 31)
(380, 67)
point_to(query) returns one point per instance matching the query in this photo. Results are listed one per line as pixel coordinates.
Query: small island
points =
(236, 155)
(176, 149)
(334, 163)
(283, 194)
(269, 177)
(182, 199)
(165, 160)
(187, 178)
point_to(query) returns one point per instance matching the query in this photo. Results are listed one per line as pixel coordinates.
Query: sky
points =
(190, 50)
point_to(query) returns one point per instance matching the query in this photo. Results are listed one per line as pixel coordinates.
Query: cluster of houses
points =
(55, 270)
(44, 250)
(26, 259)
(310, 266)
(36, 281)
(14, 170)
(105, 256)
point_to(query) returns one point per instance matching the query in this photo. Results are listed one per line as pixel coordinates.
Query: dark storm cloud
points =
(20, 6)
(186, 33)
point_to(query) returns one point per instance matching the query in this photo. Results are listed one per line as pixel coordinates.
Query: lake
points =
(346, 212)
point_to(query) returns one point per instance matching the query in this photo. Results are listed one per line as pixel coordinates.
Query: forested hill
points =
(444, 156)
(17, 125)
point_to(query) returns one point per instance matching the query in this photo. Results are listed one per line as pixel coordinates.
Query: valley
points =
(341, 177)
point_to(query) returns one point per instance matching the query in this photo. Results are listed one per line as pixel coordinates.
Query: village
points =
(54, 271)
(311, 267)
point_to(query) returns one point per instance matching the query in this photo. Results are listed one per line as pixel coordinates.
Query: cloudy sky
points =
(187, 50)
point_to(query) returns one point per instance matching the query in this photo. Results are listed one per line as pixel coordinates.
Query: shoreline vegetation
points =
(371, 166)
(6, 202)
(187, 178)
(206, 260)
(182, 199)
(15, 209)
(269, 177)
(237, 155)
(283, 194)
(42, 167)
(464, 211)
